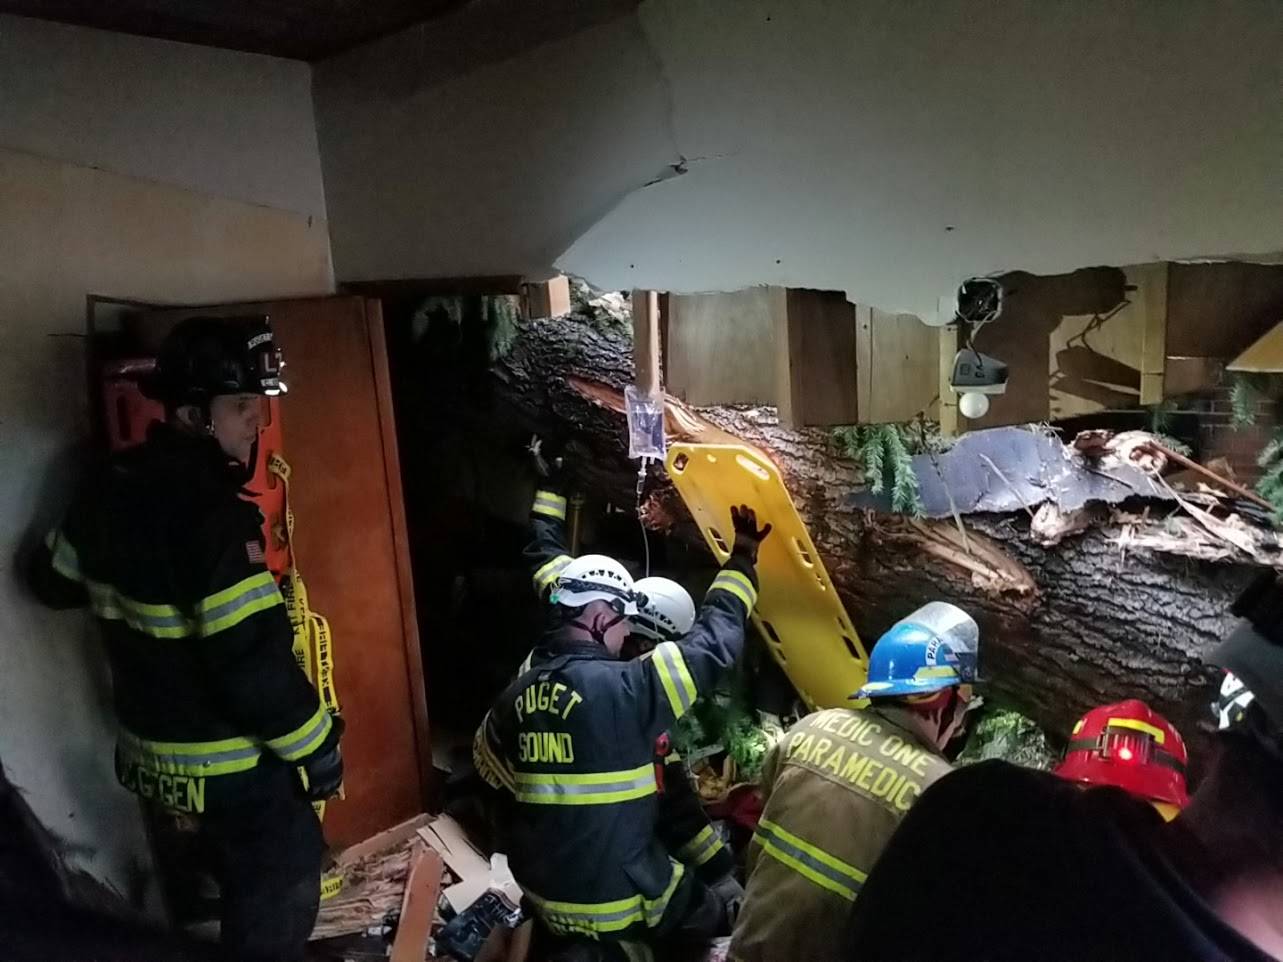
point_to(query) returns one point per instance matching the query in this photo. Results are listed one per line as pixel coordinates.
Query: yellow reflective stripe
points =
(549, 504)
(231, 606)
(588, 918)
(547, 573)
(701, 848)
(738, 584)
(1140, 726)
(159, 621)
(195, 759)
(303, 740)
(674, 677)
(585, 788)
(599, 918)
(63, 556)
(656, 908)
(489, 765)
(814, 864)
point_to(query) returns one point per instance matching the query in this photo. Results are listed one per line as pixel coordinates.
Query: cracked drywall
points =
(888, 149)
(893, 149)
(494, 172)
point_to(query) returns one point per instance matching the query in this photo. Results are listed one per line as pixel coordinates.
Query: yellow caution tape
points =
(331, 885)
(313, 642)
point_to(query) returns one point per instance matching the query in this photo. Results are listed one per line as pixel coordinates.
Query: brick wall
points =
(1219, 438)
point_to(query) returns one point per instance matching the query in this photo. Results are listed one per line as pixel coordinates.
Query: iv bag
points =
(645, 424)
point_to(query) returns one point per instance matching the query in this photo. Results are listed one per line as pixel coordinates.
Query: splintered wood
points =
(374, 875)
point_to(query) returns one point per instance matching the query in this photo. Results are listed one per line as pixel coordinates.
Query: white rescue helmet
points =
(666, 610)
(595, 577)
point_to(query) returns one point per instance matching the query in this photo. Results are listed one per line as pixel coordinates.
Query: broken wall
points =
(888, 149)
(137, 169)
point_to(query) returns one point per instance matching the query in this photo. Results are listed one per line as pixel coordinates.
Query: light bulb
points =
(972, 405)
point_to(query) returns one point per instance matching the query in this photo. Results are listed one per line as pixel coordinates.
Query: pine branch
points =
(871, 451)
(904, 491)
(1245, 392)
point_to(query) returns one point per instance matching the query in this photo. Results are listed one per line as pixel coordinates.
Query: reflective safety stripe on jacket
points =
(703, 847)
(836, 786)
(585, 788)
(810, 861)
(596, 919)
(193, 759)
(216, 613)
(169, 558)
(572, 741)
(225, 756)
(547, 552)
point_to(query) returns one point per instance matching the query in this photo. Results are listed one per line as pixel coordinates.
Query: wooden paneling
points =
(1112, 360)
(401, 546)
(1191, 375)
(898, 371)
(948, 407)
(820, 368)
(1218, 310)
(1035, 307)
(646, 342)
(347, 542)
(1151, 294)
(722, 346)
(549, 298)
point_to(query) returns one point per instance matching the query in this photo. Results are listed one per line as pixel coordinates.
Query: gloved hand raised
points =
(549, 465)
(748, 536)
(321, 773)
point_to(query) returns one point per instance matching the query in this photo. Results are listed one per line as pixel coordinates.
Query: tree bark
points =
(1095, 618)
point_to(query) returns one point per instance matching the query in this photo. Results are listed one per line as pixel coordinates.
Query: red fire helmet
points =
(1131, 746)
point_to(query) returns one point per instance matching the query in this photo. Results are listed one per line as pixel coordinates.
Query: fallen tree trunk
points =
(1109, 606)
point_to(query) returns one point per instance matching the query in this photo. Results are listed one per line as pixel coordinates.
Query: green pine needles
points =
(885, 455)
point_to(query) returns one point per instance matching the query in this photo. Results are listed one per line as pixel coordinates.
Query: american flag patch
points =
(254, 551)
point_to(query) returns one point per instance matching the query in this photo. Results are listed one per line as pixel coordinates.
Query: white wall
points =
(495, 171)
(839, 141)
(81, 212)
(214, 121)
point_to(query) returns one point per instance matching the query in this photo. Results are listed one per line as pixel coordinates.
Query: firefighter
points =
(1132, 747)
(666, 612)
(573, 739)
(839, 781)
(217, 720)
(1021, 865)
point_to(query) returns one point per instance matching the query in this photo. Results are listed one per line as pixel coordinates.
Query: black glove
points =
(748, 536)
(321, 773)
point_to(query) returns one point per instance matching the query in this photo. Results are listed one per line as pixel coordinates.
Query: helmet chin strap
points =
(245, 472)
(598, 633)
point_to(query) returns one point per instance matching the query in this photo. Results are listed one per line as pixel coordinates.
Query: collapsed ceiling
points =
(885, 149)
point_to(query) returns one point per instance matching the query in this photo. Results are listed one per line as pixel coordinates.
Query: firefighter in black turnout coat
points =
(573, 739)
(216, 719)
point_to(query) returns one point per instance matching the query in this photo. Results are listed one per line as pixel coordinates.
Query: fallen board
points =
(798, 610)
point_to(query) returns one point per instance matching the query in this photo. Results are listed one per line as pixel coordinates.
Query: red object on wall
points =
(129, 413)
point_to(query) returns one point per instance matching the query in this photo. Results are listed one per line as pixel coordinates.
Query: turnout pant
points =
(266, 849)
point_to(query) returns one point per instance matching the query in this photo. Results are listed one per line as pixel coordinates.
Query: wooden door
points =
(351, 545)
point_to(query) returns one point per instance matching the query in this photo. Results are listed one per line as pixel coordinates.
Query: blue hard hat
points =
(934, 648)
